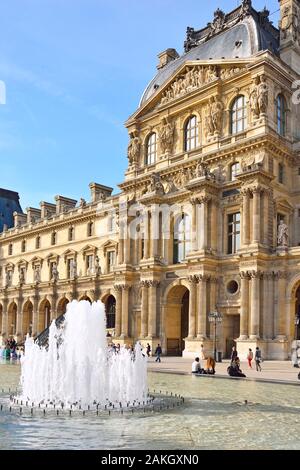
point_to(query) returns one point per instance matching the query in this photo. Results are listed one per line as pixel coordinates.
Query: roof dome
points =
(240, 34)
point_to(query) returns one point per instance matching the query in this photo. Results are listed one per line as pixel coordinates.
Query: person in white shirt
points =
(196, 366)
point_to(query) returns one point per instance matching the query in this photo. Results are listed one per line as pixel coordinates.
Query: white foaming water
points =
(78, 366)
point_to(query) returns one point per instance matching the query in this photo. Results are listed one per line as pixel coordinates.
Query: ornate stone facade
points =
(208, 216)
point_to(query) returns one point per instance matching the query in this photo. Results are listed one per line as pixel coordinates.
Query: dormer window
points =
(281, 115)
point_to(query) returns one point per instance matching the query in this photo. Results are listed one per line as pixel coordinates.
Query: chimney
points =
(99, 192)
(289, 33)
(64, 204)
(167, 56)
(19, 219)
(47, 209)
(33, 215)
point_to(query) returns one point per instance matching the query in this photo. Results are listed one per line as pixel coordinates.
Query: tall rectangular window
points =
(234, 233)
(281, 173)
(111, 260)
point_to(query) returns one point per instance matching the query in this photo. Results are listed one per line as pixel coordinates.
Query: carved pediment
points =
(195, 76)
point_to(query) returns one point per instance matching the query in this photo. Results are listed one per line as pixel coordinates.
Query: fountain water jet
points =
(79, 368)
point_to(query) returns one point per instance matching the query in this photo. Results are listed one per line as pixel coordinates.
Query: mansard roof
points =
(241, 34)
(9, 203)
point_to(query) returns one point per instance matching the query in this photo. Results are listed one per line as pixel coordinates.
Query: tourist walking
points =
(258, 359)
(202, 353)
(250, 358)
(148, 349)
(158, 353)
(234, 354)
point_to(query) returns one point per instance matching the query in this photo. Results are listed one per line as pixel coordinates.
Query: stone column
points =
(118, 295)
(125, 307)
(266, 199)
(152, 331)
(256, 215)
(19, 326)
(35, 315)
(202, 307)
(214, 224)
(203, 214)
(244, 310)
(268, 306)
(255, 305)
(147, 235)
(246, 217)
(194, 203)
(120, 251)
(144, 309)
(280, 323)
(4, 327)
(154, 232)
(192, 306)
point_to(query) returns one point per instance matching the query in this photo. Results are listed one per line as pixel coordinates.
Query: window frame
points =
(151, 149)
(233, 235)
(182, 240)
(234, 115)
(191, 133)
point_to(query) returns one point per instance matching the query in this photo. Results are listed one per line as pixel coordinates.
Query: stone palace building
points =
(216, 138)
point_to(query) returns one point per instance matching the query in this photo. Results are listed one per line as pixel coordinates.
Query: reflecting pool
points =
(214, 416)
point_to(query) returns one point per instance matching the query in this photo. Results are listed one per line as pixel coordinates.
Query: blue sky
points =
(74, 71)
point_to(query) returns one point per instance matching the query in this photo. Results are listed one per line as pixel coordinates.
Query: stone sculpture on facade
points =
(246, 8)
(214, 118)
(289, 25)
(189, 81)
(21, 276)
(8, 278)
(37, 274)
(166, 136)
(97, 266)
(259, 97)
(134, 148)
(218, 23)
(283, 234)
(54, 273)
(156, 185)
(73, 269)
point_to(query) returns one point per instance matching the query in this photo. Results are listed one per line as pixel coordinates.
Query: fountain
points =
(78, 369)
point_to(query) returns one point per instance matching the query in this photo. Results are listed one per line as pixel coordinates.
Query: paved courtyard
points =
(278, 371)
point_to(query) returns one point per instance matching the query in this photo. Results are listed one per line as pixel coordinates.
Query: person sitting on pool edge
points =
(234, 369)
(196, 366)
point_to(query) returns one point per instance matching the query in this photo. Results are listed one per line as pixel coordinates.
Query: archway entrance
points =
(177, 320)
(110, 310)
(85, 297)
(297, 315)
(62, 307)
(12, 319)
(44, 315)
(27, 319)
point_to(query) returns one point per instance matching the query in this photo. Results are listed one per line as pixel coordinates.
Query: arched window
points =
(239, 115)
(191, 134)
(23, 246)
(53, 238)
(151, 149)
(234, 170)
(281, 115)
(182, 238)
(90, 229)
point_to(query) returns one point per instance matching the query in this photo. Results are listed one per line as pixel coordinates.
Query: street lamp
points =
(215, 318)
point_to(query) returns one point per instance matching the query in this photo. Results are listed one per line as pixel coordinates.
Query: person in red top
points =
(250, 358)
